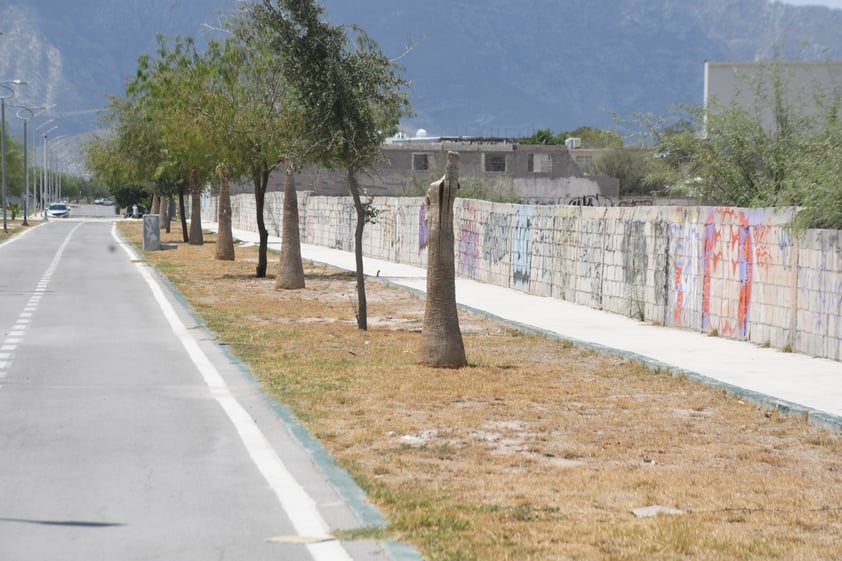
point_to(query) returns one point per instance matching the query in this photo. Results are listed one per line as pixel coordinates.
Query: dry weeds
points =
(539, 449)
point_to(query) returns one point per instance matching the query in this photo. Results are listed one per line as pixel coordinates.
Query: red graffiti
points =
(731, 232)
(746, 270)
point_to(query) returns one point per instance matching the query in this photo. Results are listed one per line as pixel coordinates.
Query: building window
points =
(420, 162)
(584, 160)
(495, 162)
(540, 163)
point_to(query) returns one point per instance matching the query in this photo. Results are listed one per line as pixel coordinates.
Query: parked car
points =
(58, 210)
(104, 202)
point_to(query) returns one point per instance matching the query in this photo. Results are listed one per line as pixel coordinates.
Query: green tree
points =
(771, 153)
(14, 209)
(817, 172)
(129, 155)
(125, 195)
(634, 167)
(263, 123)
(14, 165)
(352, 97)
(597, 138)
(544, 136)
(164, 89)
(590, 137)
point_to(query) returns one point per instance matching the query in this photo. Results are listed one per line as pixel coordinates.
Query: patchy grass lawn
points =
(538, 450)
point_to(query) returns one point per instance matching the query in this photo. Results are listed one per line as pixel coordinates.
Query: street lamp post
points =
(25, 114)
(57, 170)
(6, 85)
(43, 190)
(46, 184)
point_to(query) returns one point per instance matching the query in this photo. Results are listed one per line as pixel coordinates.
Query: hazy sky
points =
(828, 3)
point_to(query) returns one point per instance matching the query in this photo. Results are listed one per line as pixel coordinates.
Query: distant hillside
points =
(478, 67)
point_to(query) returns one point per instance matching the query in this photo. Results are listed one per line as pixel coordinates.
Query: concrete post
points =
(151, 232)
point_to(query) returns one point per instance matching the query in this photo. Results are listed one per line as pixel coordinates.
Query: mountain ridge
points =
(477, 68)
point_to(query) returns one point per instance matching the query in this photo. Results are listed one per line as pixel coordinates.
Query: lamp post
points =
(43, 191)
(25, 113)
(45, 186)
(57, 170)
(5, 85)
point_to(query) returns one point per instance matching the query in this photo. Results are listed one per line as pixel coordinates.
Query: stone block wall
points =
(737, 273)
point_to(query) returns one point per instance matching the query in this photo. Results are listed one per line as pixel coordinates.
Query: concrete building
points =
(530, 174)
(751, 85)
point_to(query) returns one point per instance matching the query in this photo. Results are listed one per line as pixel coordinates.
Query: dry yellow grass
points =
(539, 449)
(12, 227)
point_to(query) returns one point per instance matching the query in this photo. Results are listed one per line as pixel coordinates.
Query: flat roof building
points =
(534, 174)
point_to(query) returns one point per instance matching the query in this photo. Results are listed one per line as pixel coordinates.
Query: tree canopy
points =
(590, 137)
(779, 150)
(352, 96)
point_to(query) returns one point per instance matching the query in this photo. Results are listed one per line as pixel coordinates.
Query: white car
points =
(58, 210)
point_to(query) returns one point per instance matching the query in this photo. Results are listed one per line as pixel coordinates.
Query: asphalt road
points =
(127, 433)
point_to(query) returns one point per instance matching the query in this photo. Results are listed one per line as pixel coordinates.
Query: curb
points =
(339, 478)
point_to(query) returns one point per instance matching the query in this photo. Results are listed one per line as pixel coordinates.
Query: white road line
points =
(300, 507)
(15, 336)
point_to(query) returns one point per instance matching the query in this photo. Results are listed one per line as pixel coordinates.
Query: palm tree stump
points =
(442, 345)
(225, 238)
(290, 269)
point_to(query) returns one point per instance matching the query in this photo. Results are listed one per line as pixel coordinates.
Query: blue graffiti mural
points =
(522, 247)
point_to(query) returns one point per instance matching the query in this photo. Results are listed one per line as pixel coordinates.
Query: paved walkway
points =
(790, 382)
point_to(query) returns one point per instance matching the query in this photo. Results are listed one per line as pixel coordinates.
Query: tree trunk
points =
(260, 182)
(165, 213)
(196, 235)
(290, 269)
(156, 204)
(185, 237)
(225, 237)
(362, 306)
(442, 345)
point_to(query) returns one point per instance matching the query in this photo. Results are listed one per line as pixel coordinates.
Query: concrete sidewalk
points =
(793, 383)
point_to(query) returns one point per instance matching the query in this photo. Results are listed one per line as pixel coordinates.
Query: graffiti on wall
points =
(684, 238)
(544, 250)
(635, 258)
(736, 244)
(422, 229)
(397, 237)
(469, 244)
(738, 271)
(566, 242)
(820, 290)
(496, 232)
(347, 225)
(635, 253)
(522, 247)
(590, 257)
